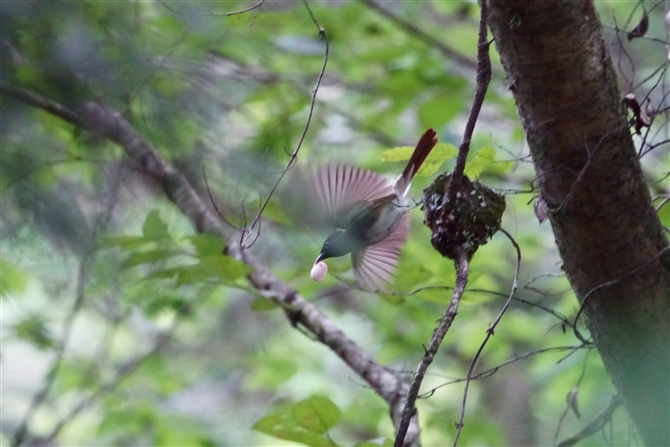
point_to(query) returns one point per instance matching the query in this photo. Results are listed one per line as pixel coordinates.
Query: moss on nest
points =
(468, 221)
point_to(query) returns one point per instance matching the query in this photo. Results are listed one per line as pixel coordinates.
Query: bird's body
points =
(370, 224)
(369, 215)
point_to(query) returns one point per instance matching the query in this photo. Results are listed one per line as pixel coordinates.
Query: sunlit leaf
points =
(483, 157)
(440, 153)
(305, 422)
(317, 414)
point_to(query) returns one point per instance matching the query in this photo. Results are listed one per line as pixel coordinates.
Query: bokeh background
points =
(113, 332)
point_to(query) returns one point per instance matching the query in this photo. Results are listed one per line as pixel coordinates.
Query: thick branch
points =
(605, 226)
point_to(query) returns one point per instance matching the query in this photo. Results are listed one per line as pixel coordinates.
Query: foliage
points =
(156, 332)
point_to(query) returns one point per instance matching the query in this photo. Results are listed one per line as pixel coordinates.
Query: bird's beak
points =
(321, 257)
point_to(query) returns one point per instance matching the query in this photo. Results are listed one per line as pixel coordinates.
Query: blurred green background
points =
(147, 337)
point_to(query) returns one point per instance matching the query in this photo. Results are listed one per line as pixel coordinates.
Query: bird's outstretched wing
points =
(341, 189)
(328, 196)
(374, 266)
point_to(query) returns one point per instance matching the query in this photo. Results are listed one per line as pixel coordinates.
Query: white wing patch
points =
(374, 266)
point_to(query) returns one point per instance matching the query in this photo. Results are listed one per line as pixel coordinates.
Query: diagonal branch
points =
(111, 124)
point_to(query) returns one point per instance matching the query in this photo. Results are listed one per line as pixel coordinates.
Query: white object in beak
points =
(319, 271)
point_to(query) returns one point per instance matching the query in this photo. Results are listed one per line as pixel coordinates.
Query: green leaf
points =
(154, 227)
(206, 245)
(399, 153)
(440, 153)
(318, 414)
(166, 273)
(33, 329)
(145, 257)
(387, 443)
(481, 160)
(153, 305)
(305, 422)
(219, 267)
(126, 242)
(12, 280)
(281, 426)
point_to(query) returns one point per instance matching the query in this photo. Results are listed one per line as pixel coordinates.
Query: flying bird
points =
(369, 216)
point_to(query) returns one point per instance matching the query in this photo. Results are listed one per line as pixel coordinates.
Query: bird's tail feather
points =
(426, 144)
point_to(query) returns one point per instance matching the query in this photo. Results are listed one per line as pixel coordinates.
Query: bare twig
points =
(294, 154)
(39, 398)
(596, 423)
(483, 80)
(612, 283)
(491, 371)
(570, 405)
(22, 430)
(217, 14)
(410, 410)
(123, 371)
(461, 261)
(489, 333)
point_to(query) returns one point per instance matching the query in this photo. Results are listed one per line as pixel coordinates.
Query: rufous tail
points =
(426, 144)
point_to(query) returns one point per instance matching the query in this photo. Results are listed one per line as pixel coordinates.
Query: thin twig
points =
(40, 397)
(217, 14)
(123, 371)
(611, 283)
(483, 80)
(569, 405)
(294, 154)
(491, 371)
(489, 333)
(595, 424)
(441, 330)
(68, 323)
(41, 102)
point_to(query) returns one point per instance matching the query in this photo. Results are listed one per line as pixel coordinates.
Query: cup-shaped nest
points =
(467, 221)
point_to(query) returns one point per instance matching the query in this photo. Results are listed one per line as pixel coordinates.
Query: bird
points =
(369, 216)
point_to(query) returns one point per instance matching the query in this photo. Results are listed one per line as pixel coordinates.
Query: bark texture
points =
(610, 239)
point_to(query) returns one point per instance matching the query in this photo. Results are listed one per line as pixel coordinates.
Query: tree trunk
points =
(609, 236)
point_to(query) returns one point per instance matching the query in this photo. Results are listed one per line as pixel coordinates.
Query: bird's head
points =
(339, 243)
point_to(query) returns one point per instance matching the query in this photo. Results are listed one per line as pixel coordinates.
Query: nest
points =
(464, 223)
